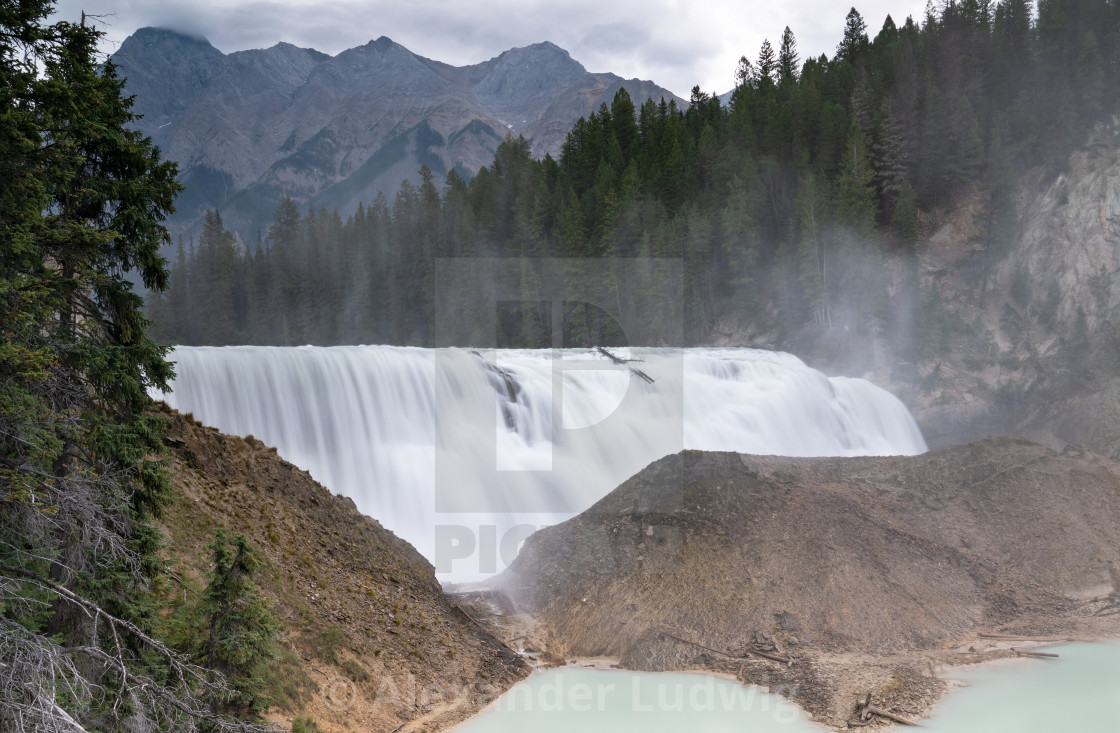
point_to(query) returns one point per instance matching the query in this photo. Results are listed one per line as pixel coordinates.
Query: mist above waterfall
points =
(463, 453)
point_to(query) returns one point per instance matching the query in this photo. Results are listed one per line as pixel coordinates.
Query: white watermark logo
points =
(571, 692)
(339, 694)
(640, 300)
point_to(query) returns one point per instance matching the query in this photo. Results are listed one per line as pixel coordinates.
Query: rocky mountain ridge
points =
(251, 127)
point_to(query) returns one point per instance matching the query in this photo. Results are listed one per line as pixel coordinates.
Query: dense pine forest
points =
(782, 201)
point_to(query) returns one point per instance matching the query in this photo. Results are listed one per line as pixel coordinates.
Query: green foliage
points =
(82, 206)
(355, 671)
(305, 725)
(855, 37)
(229, 629)
(286, 683)
(327, 644)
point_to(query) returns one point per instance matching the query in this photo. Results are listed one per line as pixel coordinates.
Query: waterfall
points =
(462, 453)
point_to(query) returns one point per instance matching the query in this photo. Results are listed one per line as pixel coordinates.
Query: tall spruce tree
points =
(81, 206)
(767, 64)
(787, 58)
(855, 37)
(230, 629)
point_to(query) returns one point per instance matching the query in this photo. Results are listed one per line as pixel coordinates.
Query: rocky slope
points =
(864, 571)
(250, 127)
(369, 641)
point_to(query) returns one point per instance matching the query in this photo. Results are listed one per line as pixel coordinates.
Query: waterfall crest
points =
(462, 453)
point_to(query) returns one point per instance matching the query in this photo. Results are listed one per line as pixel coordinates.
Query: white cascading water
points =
(462, 455)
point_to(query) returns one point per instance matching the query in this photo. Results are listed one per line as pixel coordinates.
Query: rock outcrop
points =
(1032, 346)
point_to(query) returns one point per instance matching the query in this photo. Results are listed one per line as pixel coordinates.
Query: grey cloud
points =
(676, 44)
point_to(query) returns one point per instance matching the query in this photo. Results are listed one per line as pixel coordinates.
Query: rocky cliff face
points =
(1033, 348)
(250, 127)
(1067, 257)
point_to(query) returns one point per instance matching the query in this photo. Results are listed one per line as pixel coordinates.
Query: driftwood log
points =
(748, 652)
(1015, 637)
(865, 714)
(1041, 655)
(512, 387)
(489, 632)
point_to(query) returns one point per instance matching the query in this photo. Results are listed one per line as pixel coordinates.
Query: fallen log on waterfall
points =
(513, 389)
(626, 363)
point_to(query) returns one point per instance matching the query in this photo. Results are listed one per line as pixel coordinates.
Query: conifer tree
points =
(232, 629)
(767, 65)
(855, 37)
(82, 205)
(787, 58)
(855, 196)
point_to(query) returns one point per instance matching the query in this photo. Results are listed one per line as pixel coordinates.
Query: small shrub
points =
(355, 671)
(328, 644)
(1011, 323)
(305, 725)
(287, 684)
(929, 381)
(1049, 308)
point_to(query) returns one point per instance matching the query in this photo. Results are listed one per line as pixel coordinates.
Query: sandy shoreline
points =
(849, 676)
(944, 671)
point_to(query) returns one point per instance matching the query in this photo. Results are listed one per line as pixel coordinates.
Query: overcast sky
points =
(675, 43)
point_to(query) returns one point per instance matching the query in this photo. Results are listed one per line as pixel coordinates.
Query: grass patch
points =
(287, 685)
(328, 643)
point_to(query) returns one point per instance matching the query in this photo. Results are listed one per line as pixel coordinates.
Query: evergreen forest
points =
(781, 201)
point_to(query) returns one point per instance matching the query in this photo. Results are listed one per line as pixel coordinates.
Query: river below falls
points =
(1079, 691)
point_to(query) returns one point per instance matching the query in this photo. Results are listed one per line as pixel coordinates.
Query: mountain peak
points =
(382, 44)
(165, 69)
(545, 51)
(547, 46)
(158, 35)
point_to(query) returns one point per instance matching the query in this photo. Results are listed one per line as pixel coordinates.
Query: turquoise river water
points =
(1079, 692)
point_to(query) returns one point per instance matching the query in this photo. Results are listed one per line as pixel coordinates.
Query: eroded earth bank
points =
(826, 579)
